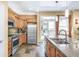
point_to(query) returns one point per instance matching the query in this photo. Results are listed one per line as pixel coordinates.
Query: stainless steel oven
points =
(15, 44)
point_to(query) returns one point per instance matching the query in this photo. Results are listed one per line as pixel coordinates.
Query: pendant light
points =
(66, 11)
(56, 2)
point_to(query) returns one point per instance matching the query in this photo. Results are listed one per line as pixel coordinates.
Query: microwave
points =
(11, 23)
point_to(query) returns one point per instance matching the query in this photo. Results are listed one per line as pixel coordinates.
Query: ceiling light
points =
(66, 11)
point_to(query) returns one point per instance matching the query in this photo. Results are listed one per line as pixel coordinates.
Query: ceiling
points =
(23, 7)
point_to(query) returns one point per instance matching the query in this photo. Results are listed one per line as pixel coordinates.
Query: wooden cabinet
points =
(19, 23)
(21, 20)
(11, 14)
(22, 39)
(52, 51)
(47, 48)
(59, 54)
(29, 18)
(9, 47)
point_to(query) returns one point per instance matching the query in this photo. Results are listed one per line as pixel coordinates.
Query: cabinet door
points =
(52, 51)
(21, 23)
(24, 38)
(9, 47)
(47, 49)
(59, 54)
(20, 40)
(17, 22)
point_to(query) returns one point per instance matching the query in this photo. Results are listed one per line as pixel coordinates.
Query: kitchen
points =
(48, 24)
(18, 25)
(43, 29)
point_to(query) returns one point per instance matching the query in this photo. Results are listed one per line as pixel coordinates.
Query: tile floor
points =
(31, 51)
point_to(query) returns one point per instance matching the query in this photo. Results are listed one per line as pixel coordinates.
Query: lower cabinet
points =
(59, 54)
(48, 49)
(9, 47)
(22, 39)
(52, 51)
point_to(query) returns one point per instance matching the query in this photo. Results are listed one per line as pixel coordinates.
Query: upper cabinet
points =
(11, 14)
(32, 18)
(21, 20)
(29, 18)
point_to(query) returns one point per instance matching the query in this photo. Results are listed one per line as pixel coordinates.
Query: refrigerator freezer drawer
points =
(32, 39)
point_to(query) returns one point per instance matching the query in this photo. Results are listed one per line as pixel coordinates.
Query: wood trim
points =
(57, 26)
(70, 25)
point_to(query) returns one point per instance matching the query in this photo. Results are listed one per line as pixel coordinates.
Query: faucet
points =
(65, 34)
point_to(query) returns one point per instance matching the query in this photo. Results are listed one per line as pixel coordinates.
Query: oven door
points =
(15, 42)
(15, 45)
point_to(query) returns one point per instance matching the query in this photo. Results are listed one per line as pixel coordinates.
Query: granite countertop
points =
(22, 33)
(10, 36)
(69, 50)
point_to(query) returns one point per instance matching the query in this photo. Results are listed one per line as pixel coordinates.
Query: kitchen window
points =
(64, 24)
(48, 26)
(52, 28)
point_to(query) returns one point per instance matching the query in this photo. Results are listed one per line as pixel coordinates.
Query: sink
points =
(59, 41)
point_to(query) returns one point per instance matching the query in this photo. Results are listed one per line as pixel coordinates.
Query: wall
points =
(3, 29)
(38, 27)
(51, 13)
(75, 15)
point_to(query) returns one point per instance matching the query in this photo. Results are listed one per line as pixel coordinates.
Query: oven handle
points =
(15, 39)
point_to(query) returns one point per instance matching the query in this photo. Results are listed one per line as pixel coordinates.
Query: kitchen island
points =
(54, 49)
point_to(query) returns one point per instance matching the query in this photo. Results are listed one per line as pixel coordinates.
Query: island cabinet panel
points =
(52, 51)
(47, 48)
(59, 54)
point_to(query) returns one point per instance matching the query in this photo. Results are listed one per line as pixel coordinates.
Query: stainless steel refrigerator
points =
(31, 34)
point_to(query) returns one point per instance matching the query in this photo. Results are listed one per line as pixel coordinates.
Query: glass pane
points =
(63, 23)
(51, 25)
(52, 29)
